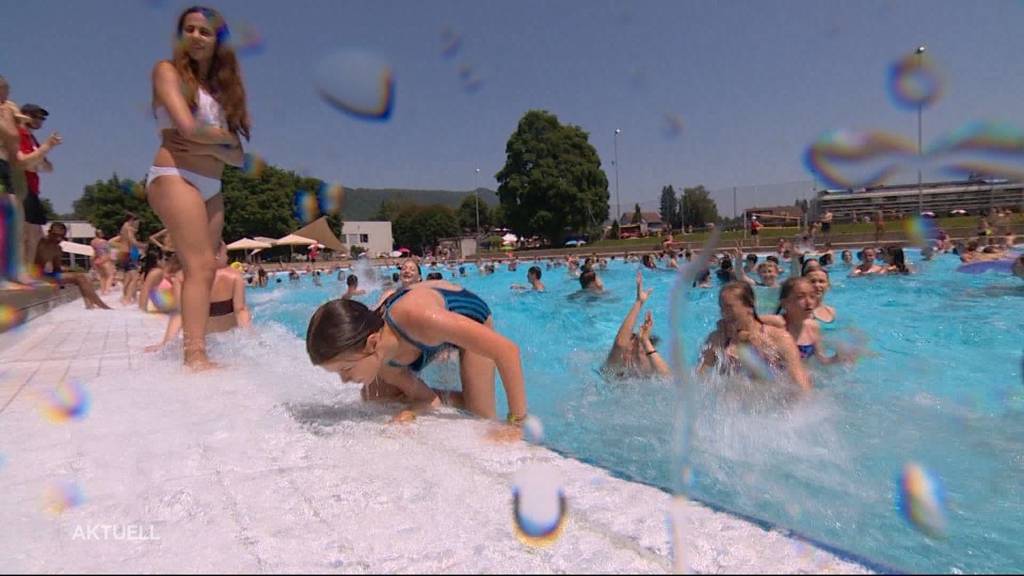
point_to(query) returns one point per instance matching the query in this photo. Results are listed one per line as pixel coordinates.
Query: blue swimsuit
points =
(461, 302)
(806, 350)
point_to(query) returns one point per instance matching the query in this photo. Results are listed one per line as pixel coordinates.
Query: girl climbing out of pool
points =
(741, 327)
(798, 301)
(632, 353)
(385, 349)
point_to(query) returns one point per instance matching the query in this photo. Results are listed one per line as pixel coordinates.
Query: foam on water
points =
(273, 464)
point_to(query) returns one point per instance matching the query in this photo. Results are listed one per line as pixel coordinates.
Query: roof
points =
(781, 210)
(320, 231)
(648, 217)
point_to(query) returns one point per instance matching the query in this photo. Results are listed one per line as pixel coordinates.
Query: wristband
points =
(515, 420)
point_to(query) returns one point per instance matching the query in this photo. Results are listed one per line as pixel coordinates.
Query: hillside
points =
(363, 203)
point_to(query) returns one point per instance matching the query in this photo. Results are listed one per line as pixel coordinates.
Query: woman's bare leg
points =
(215, 219)
(478, 382)
(182, 210)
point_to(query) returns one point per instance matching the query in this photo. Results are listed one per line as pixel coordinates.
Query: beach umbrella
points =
(247, 244)
(293, 240)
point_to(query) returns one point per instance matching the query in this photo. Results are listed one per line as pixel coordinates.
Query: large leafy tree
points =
(106, 204)
(420, 227)
(669, 208)
(253, 206)
(699, 207)
(468, 211)
(552, 181)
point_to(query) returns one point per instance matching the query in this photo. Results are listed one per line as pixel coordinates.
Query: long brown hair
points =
(224, 79)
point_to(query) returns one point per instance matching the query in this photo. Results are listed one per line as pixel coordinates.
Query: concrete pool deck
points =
(272, 465)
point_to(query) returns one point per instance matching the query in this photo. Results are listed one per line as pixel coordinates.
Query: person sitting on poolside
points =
(798, 301)
(353, 287)
(867, 266)
(635, 354)
(385, 349)
(533, 277)
(48, 259)
(228, 309)
(740, 326)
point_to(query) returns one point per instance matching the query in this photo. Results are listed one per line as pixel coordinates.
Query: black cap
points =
(34, 111)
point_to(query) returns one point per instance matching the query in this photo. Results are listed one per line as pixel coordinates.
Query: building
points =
(976, 196)
(650, 223)
(458, 247)
(375, 237)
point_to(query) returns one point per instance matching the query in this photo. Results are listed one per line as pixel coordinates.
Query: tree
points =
(106, 204)
(699, 207)
(552, 180)
(669, 207)
(467, 214)
(614, 233)
(51, 214)
(637, 214)
(420, 227)
(264, 206)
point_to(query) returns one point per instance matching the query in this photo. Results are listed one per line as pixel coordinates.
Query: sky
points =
(753, 82)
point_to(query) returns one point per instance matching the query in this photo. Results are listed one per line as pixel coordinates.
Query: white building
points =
(375, 237)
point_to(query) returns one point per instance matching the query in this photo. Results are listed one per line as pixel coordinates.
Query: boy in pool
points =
(353, 287)
(533, 277)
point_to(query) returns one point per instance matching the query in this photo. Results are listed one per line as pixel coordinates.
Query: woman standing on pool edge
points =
(199, 103)
(387, 347)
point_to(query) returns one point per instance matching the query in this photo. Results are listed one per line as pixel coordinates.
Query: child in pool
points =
(385, 349)
(798, 301)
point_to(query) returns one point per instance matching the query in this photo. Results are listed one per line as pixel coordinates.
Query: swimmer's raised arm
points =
(625, 333)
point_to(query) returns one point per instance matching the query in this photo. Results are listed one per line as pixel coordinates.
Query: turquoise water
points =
(942, 386)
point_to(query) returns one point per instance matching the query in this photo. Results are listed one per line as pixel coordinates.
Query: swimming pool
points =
(943, 388)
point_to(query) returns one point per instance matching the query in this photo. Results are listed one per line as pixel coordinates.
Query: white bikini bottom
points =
(208, 187)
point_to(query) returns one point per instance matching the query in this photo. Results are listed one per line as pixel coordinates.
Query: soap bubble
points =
(305, 206)
(163, 299)
(451, 42)
(358, 83)
(914, 81)
(247, 41)
(10, 317)
(921, 500)
(539, 506)
(987, 148)
(253, 165)
(846, 159)
(68, 400)
(673, 125)
(60, 497)
(533, 429)
(330, 198)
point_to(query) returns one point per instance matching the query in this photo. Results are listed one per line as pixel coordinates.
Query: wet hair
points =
(808, 265)
(702, 277)
(587, 278)
(533, 271)
(767, 264)
(899, 260)
(648, 260)
(826, 259)
(340, 326)
(435, 276)
(352, 280)
(752, 258)
(462, 269)
(772, 258)
(787, 288)
(746, 292)
(394, 277)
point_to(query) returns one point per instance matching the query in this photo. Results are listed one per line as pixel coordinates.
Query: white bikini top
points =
(208, 112)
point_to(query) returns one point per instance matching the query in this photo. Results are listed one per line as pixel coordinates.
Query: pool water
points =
(940, 384)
